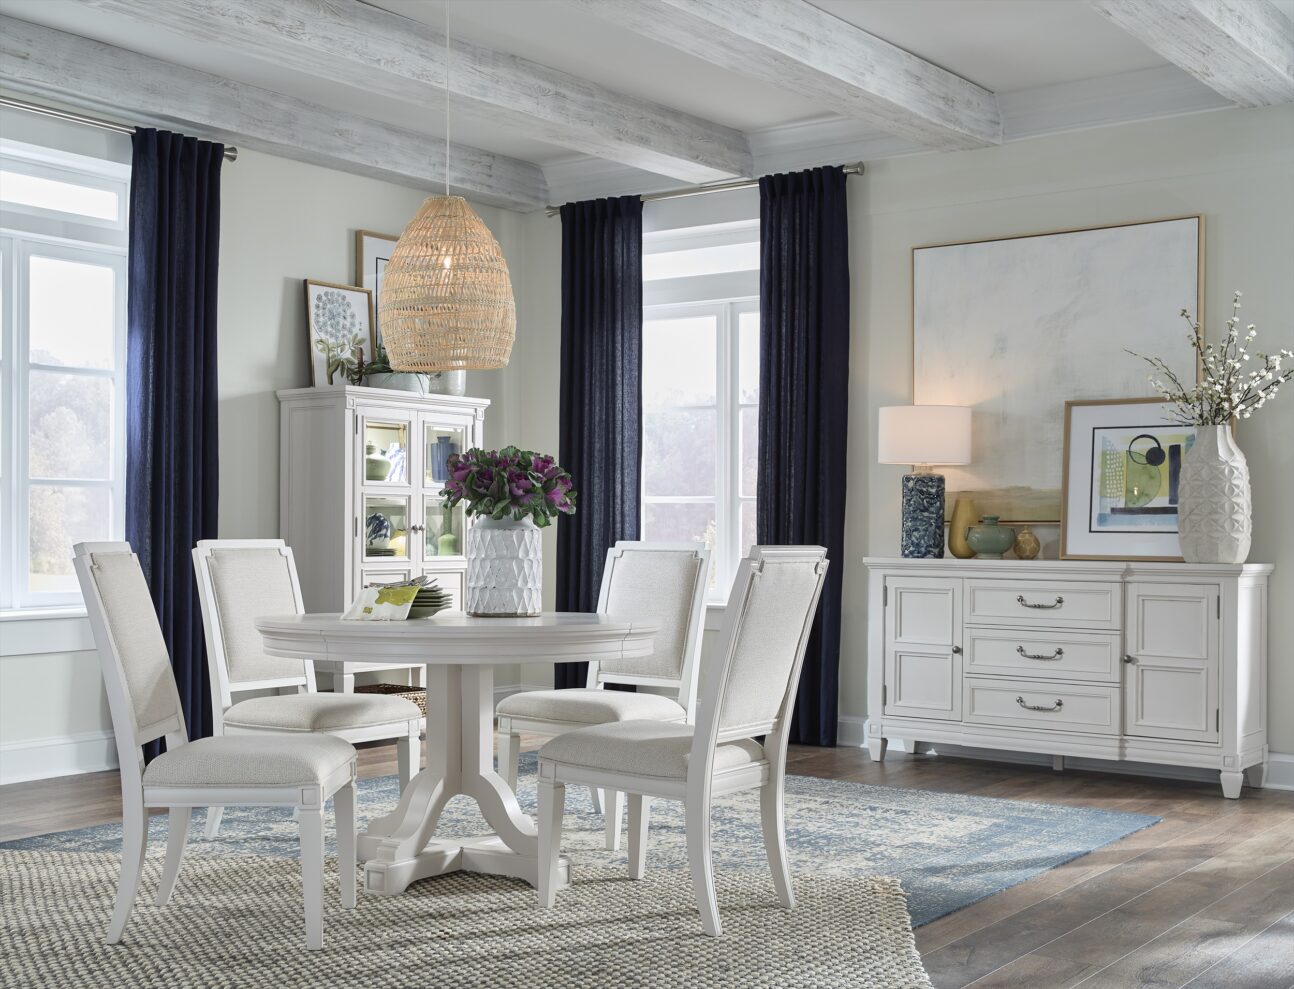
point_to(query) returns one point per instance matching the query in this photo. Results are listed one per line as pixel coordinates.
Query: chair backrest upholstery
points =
(664, 583)
(751, 684)
(239, 580)
(142, 695)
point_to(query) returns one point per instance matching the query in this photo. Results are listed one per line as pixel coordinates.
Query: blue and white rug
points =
(948, 850)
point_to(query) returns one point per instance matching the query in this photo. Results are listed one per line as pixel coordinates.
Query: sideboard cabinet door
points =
(1173, 657)
(922, 655)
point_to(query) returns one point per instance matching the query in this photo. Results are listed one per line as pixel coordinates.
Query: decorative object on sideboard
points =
(1012, 326)
(1122, 471)
(376, 466)
(378, 531)
(446, 295)
(923, 435)
(963, 517)
(1216, 516)
(990, 540)
(512, 494)
(1027, 545)
(340, 329)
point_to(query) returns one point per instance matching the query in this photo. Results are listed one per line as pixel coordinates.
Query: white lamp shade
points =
(924, 434)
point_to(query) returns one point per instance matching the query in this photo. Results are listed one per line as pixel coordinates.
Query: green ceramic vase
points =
(990, 540)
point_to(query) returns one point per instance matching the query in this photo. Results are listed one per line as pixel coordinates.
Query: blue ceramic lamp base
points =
(923, 516)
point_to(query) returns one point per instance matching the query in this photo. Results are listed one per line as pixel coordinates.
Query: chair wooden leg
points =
(639, 812)
(176, 838)
(613, 804)
(214, 814)
(509, 749)
(310, 822)
(771, 818)
(697, 814)
(552, 805)
(343, 803)
(134, 841)
(406, 755)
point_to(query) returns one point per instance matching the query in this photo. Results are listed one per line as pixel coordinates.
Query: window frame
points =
(727, 497)
(27, 232)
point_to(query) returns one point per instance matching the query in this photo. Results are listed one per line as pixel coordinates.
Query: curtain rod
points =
(231, 154)
(700, 190)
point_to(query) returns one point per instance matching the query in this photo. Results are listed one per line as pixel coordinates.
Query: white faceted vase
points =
(1214, 511)
(505, 568)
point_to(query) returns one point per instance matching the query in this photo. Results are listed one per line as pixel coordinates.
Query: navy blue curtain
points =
(803, 405)
(601, 395)
(171, 452)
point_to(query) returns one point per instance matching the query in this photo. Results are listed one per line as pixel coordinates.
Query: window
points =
(701, 396)
(62, 367)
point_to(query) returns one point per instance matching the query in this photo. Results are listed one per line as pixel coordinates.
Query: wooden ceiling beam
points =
(40, 61)
(807, 51)
(1242, 49)
(398, 58)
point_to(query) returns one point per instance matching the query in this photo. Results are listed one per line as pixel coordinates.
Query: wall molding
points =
(1280, 767)
(58, 755)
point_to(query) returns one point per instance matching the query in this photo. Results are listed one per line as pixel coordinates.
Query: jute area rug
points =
(237, 922)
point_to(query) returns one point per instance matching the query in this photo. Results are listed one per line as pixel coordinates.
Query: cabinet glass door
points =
(386, 527)
(442, 528)
(439, 442)
(386, 452)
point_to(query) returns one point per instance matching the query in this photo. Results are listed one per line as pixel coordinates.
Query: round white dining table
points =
(460, 653)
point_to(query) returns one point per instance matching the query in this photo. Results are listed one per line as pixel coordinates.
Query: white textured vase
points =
(1214, 512)
(505, 568)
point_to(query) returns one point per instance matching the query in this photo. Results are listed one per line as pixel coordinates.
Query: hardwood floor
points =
(1204, 899)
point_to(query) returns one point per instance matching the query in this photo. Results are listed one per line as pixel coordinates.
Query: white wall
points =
(1233, 166)
(281, 221)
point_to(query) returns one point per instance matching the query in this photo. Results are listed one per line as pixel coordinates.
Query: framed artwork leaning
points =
(1015, 326)
(372, 251)
(340, 320)
(1122, 464)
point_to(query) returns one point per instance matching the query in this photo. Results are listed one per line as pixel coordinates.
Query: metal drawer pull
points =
(1034, 707)
(1045, 607)
(1032, 655)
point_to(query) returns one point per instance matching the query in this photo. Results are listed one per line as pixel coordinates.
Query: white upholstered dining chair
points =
(748, 691)
(296, 771)
(659, 582)
(240, 580)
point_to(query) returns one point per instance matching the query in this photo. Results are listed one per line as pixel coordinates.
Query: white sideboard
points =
(1145, 662)
(359, 493)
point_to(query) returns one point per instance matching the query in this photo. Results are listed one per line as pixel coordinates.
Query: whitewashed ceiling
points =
(1050, 65)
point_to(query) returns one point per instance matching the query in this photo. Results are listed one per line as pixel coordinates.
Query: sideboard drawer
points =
(1055, 604)
(1029, 704)
(1033, 652)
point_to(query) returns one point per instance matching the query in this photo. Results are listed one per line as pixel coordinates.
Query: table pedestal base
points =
(399, 849)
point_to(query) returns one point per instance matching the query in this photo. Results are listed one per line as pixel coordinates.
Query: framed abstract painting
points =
(1122, 463)
(1012, 327)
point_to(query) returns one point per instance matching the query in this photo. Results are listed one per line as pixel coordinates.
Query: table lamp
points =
(924, 435)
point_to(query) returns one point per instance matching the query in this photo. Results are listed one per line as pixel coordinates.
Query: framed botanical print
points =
(1122, 465)
(340, 320)
(372, 251)
(1014, 326)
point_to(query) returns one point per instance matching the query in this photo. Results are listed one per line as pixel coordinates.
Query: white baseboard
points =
(63, 755)
(1280, 767)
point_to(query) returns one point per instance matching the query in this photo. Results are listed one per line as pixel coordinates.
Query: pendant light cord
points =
(446, 98)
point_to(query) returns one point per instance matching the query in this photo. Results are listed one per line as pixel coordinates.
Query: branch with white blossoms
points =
(1226, 391)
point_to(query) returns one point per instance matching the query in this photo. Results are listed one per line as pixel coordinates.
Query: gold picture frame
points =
(1025, 504)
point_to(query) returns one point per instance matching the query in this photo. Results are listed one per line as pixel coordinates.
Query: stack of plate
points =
(430, 600)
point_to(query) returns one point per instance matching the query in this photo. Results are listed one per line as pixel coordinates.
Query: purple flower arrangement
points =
(509, 482)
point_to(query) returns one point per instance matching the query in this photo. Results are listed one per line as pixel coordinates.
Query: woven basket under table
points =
(415, 694)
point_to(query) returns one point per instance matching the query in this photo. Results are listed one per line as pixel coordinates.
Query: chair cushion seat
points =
(591, 706)
(643, 748)
(250, 760)
(321, 712)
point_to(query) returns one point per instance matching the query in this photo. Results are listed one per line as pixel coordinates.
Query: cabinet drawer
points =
(1054, 604)
(1063, 706)
(1038, 653)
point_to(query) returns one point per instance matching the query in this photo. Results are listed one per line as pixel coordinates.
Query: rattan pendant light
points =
(446, 300)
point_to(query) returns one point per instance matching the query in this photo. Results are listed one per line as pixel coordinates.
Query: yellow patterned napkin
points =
(381, 604)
